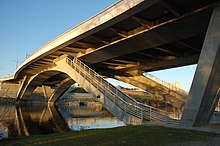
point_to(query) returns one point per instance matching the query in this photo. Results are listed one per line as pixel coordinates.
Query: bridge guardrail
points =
(120, 99)
(166, 84)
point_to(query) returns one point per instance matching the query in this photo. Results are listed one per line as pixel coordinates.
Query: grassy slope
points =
(129, 135)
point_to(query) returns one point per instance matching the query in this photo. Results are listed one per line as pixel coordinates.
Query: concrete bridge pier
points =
(30, 83)
(60, 90)
(204, 93)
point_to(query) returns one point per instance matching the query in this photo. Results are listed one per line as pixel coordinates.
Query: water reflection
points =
(89, 117)
(78, 124)
(25, 120)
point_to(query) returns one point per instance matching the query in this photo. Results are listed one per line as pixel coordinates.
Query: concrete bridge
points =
(122, 42)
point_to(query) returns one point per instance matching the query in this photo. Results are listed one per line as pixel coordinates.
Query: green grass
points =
(129, 135)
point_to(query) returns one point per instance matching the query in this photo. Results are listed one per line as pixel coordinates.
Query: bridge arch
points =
(61, 89)
(50, 78)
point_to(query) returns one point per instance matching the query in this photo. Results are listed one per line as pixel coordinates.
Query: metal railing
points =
(124, 102)
(166, 84)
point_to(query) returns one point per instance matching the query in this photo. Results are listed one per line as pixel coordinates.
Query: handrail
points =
(123, 101)
(166, 84)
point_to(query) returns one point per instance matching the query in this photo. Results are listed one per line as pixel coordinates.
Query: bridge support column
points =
(47, 90)
(22, 87)
(203, 94)
(61, 89)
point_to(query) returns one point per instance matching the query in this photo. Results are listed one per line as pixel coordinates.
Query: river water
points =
(32, 119)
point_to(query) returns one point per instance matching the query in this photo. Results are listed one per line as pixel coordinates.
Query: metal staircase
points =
(118, 99)
(166, 84)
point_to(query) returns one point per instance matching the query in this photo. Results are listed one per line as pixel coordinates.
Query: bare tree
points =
(3, 112)
(2, 115)
(3, 91)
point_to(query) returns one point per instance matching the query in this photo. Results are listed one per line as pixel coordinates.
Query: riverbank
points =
(127, 135)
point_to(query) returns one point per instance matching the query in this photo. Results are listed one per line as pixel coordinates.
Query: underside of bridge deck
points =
(150, 35)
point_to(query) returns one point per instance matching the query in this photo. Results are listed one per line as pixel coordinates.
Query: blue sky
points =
(26, 25)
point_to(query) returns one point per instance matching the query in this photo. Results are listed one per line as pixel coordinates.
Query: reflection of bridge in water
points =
(122, 42)
(32, 119)
(35, 119)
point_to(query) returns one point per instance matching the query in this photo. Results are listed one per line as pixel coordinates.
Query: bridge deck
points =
(171, 34)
